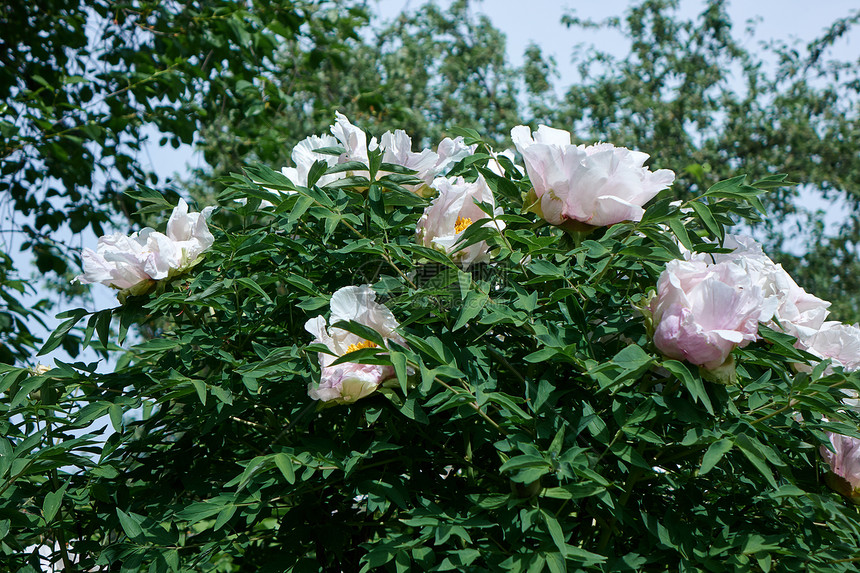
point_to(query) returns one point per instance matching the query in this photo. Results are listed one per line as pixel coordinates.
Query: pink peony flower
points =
(345, 383)
(597, 185)
(798, 313)
(701, 312)
(844, 464)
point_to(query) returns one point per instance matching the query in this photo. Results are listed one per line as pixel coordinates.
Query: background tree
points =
(84, 84)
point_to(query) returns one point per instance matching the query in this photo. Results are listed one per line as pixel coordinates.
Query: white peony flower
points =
(344, 134)
(451, 213)
(345, 383)
(596, 185)
(701, 312)
(397, 149)
(132, 263)
(451, 152)
(352, 139)
(304, 156)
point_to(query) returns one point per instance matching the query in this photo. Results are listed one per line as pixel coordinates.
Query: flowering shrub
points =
(638, 391)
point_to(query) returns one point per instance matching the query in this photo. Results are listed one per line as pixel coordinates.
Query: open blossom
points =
(133, 262)
(451, 152)
(344, 134)
(347, 382)
(397, 149)
(844, 464)
(428, 165)
(798, 313)
(352, 139)
(701, 312)
(451, 213)
(837, 341)
(596, 185)
(304, 156)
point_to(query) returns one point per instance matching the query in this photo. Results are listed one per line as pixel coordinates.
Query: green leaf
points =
(52, 502)
(758, 461)
(693, 383)
(728, 185)
(475, 301)
(360, 330)
(254, 287)
(57, 336)
(200, 387)
(680, 232)
(704, 213)
(714, 454)
(398, 360)
(130, 523)
(632, 358)
(115, 414)
(316, 171)
(556, 563)
(285, 464)
(555, 531)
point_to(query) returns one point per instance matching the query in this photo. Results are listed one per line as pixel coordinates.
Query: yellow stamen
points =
(359, 346)
(462, 224)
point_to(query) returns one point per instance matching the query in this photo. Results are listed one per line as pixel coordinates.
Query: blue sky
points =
(787, 20)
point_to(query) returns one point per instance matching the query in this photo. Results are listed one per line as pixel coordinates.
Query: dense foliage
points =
(515, 406)
(526, 421)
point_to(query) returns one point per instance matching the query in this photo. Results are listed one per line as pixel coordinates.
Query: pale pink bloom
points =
(596, 185)
(397, 149)
(798, 313)
(352, 139)
(701, 312)
(304, 156)
(451, 213)
(844, 462)
(344, 134)
(125, 262)
(428, 165)
(189, 233)
(345, 383)
(837, 341)
(451, 152)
